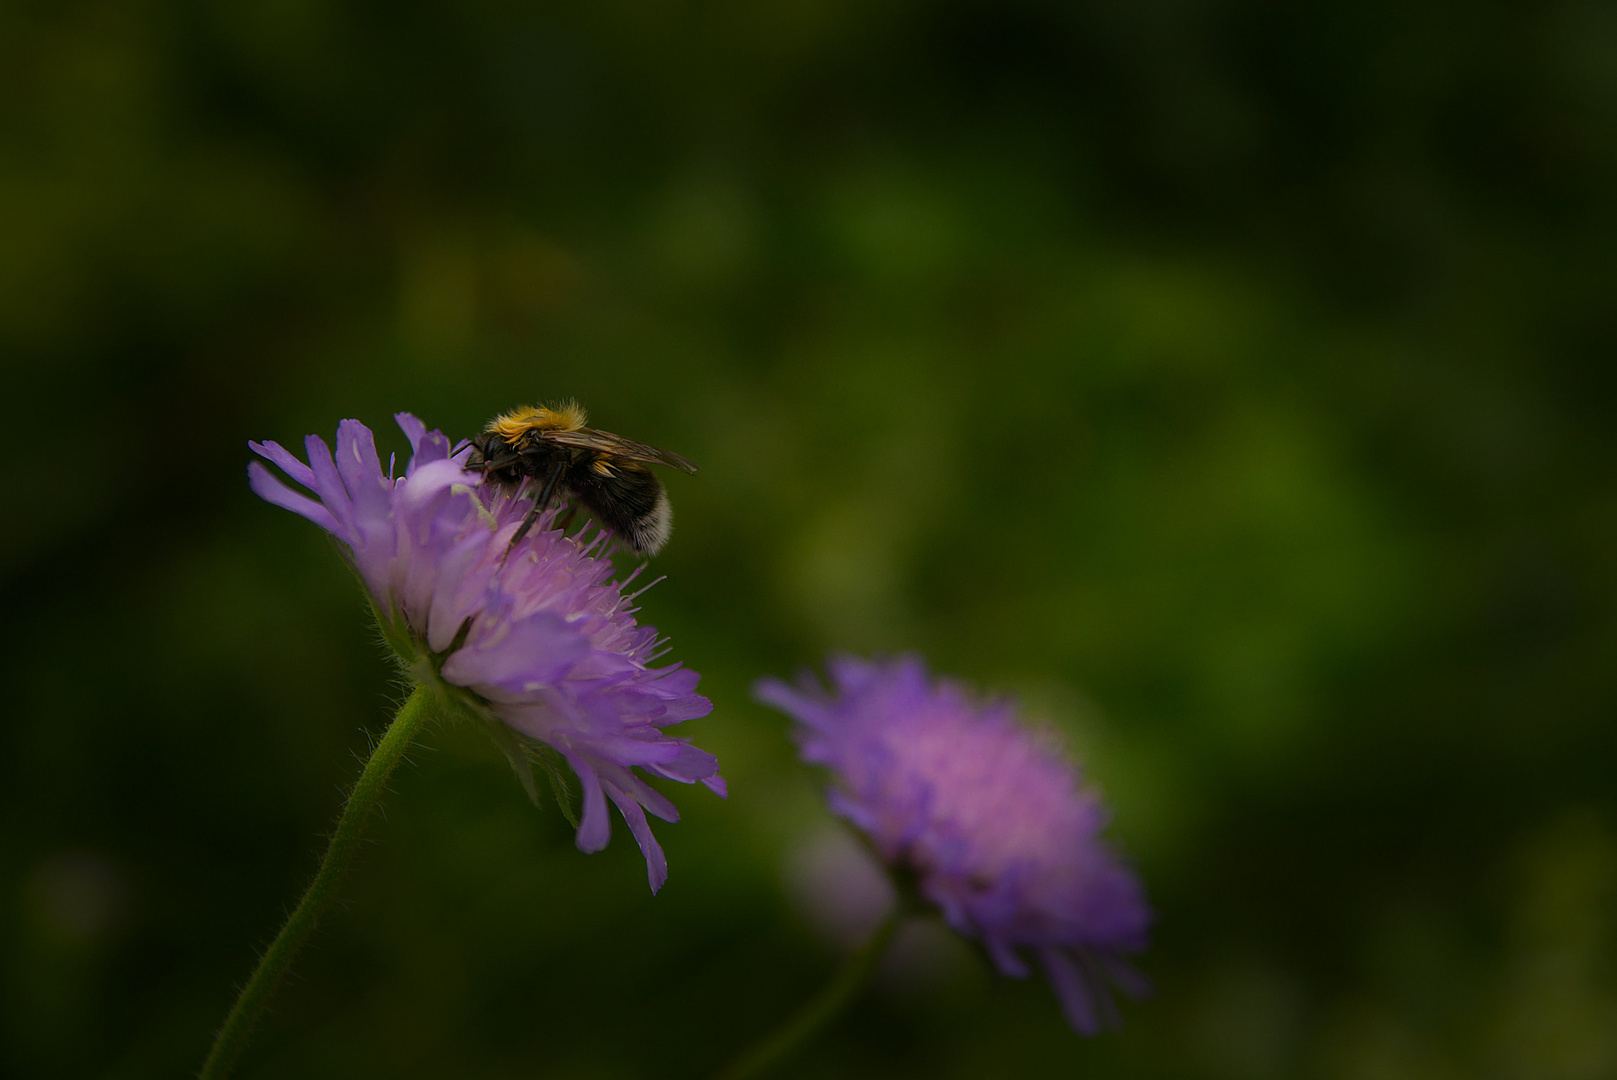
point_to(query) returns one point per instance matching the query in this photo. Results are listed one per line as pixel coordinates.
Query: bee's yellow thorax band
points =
(568, 416)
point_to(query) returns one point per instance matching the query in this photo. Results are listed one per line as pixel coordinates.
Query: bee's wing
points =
(608, 443)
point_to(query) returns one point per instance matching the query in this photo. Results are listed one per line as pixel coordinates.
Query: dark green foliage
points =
(1234, 382)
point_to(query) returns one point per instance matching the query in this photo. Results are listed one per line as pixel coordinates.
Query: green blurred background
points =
(1230, 379)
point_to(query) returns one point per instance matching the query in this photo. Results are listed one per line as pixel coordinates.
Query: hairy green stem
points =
(822, 1008)
(238, 1026)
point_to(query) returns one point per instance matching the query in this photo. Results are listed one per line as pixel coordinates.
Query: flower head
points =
(539, 639)
(992, 827)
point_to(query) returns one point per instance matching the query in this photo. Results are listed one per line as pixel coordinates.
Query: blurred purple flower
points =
(540, 639)
(983, 821)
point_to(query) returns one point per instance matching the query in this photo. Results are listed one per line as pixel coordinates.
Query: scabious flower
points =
(538, 640)
(980, 819)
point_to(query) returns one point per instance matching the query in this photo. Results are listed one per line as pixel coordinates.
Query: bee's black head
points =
(494, 456)
(482, 447)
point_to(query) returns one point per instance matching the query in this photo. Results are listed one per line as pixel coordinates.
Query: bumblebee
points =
(603, 472)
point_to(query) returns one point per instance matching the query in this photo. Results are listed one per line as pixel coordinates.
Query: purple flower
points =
(539, 641)
(981, 818)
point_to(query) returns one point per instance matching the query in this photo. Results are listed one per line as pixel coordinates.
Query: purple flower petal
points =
(513, 662)
(266, 487)
(284, 460)
(328, 485)
(595, 829)
(369, 489)
(656, 861)
(1073, 990)
(1006, 960)
(648, 797)
(413, 430)
(689, 766)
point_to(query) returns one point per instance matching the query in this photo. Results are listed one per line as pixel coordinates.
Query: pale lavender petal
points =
(642, 793)
(781, 695)
(618, 748)
(1005, 959)
(361, 471)
(690, 765)
(679, 707)
(512, 662)
(656, 861)
(329, 486)
(434, 447)
(1072, 989)
(1128, 978)
(284, 460)
(595, 829)
(459, 593)
(426, 446)
(413, 430)
(271, 490)
(851, 809)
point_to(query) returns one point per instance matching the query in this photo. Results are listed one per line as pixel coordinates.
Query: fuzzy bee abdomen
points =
(626, 498)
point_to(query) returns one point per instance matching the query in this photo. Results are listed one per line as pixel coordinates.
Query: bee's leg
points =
(497, 463)
(540, 503)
